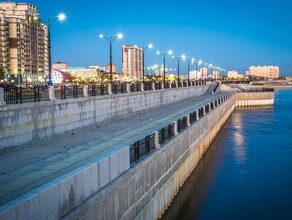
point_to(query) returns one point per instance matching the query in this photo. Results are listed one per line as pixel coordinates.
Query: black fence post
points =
(136, 151)
(148, 144)
(16, 95)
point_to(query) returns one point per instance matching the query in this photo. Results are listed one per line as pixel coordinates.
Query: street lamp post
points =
(110, 40)
(210, 65)
(164, 55)
(61, 17)
(189, 61)
(145, 48)
(178, 59)
(198, 63)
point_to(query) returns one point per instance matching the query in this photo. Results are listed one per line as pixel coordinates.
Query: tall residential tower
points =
(23, 42)
(133, 61)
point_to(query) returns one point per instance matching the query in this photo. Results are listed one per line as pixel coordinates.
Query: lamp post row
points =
(61, 17)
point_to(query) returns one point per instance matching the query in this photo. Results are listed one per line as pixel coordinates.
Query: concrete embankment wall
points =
(254, 99)
(109, 188)
(146, 189)
(30, 122)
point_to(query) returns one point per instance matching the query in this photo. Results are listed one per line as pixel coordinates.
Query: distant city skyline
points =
(230, 34)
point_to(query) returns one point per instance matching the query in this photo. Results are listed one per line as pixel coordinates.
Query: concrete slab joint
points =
(156, 139)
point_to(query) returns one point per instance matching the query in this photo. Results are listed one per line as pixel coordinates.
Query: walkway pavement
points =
(35, 165)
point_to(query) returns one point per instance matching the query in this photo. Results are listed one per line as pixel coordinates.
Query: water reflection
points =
(239, 147)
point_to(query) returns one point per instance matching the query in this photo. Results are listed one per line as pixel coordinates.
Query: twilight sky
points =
(230, 34)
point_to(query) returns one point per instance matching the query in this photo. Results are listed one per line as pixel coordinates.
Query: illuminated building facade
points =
(265, 71)
(23, 42)
(133, 61)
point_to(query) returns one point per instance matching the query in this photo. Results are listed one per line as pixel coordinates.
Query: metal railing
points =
(97, 90)
(181, 124)
(158, 86)
(147, 86)
(166, 133)
(193, 117)
(119, 88)
(141, 148)
(18, 95)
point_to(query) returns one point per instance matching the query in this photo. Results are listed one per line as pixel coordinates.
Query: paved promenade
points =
(33, 166)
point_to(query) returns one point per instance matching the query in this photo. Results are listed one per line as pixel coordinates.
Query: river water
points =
(247, 171)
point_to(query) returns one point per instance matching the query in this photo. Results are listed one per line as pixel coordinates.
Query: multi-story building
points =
(204, 72)
(133, 61)
(234, 74)
(108, 67)
(23, 42)
(60, 66)
(264, 71)
(82, 72)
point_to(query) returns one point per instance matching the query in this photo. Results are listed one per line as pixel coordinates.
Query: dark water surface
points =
(247, 172)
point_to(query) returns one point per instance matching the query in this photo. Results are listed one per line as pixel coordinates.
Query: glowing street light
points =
(110, 41)
(145, 48)
(164, 55)
(61, 17)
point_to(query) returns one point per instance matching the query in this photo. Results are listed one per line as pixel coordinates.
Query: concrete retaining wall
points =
(30, 122)
(110, 189)
(146, 190)
(254, 99)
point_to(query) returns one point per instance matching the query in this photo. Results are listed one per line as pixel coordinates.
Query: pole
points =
(164, 69)
(143, 64)
(177, 69)
(50, 58)
(111, 57)
(188, 70)
(196, 70)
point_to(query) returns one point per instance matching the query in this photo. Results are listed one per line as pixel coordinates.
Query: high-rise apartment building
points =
(133, 61)
(204, 72)
(264, 71)
(23, 42)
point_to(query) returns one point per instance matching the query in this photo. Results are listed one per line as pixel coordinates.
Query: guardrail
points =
(150, 143)
(141, 148)
(18, 95)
